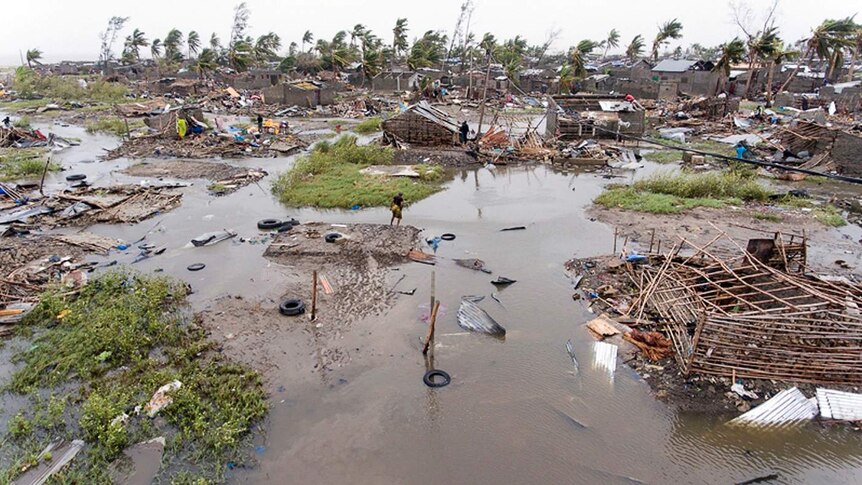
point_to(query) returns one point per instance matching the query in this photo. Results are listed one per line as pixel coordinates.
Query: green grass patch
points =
(829, 215)
(29, 85)
(766, 216)
(663, 156)
(18, 163)
(329, 177)
(368, 126)
(716, 185)
(112, 125)
(674, 192)
(22, 123)
(103, 354)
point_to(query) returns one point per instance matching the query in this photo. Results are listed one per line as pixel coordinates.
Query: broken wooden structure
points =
(756, 315)
(423, 124)
(577, 116)
(830, 148)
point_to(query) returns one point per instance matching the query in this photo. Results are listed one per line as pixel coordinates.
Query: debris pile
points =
(758, 314)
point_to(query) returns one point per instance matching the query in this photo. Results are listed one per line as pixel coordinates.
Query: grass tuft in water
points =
(18, 163)
(368, 126)
(329, 177)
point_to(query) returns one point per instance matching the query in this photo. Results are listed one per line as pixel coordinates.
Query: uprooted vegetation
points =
(17, 163)
(111, 347)
(330, 177)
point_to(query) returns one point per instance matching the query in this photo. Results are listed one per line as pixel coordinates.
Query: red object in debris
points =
(39, 135)
(338, 128)
(630, 98)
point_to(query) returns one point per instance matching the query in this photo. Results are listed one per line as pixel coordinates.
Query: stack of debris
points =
(758, 314)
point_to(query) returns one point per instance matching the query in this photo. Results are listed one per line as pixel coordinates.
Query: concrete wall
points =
(395, 82)
(847, 154)
(288, 95)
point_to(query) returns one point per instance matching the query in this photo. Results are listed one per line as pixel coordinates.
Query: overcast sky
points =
(68, 29)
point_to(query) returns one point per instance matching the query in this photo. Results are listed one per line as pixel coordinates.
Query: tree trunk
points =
(852, 69)
(748, 82)
(795, 69)
(769, 77)
(832, 61)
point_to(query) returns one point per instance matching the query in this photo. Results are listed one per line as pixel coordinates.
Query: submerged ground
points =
(346, 397)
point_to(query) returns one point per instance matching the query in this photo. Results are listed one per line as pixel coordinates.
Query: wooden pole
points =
(433, 323)
(314, 295)
(44, 172)
(651, 240)
(433, 289)
(484, 96)
(615, 240)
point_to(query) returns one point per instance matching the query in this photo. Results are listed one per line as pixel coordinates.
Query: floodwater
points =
(515, 413)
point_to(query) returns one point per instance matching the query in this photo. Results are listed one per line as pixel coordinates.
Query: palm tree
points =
(173, 43)
(672, 29)
(33, 56)
(399, 39)
(156, 48)
(267, 46)
(307, 38)
(215, 42)
(778, 56)
(241, 54)
(731, 53)
(857, 46)
(134, 42)
(206, 62)
(827, 36)
(760, 46)
(612, 42)
(291, 49)
(193, 41)
(335, 54)
(635, 48)
(357, 33)
(577, 57)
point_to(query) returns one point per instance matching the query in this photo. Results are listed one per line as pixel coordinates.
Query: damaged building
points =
(576, 116)
(694, 78)
(828, 149)
(307, 94)
(423, 124)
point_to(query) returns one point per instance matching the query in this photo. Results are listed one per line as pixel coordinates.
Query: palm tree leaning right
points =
(33, 56)
(307, 38)
(672, 29)
(399, 36)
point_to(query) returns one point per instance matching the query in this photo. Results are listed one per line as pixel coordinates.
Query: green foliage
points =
(112, 125)
(111, 347)
(720, 185)
(428, 50)
(30, 84)
(766, 216)
(329, 177)
(22, 122)
(631, 199)
(663, 156)
(829, 215)
(20, 427)
(18, 163)
(369, 125)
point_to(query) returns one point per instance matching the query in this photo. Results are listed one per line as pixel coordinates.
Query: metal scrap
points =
(787, 408)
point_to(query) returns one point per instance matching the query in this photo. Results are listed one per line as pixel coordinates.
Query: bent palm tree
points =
(193, 41)
(307, 38)
(635, 48)
(612, 42)
(672, 29)
(399, 36)
(33, 56)
(823, 39)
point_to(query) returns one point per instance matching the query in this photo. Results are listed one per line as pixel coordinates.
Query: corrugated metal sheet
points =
(842, 405)
(433, 114)
(605, 356)
(786, 408)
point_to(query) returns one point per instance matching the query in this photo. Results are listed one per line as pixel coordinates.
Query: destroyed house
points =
(695, 78)
(395, 81)
(423, 124)
(577, 116)
(830, 149)
(307, 94)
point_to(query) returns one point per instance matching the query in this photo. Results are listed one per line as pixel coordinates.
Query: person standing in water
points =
(397, 205)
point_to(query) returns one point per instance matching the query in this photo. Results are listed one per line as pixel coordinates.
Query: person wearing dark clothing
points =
(397, 205)
(463, 132)
(7, 121)
(260, 124)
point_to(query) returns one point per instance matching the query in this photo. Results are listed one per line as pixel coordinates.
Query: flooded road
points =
(515, 413)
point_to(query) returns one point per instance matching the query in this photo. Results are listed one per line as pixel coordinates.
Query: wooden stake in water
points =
(314, 295)
(433, 290)
(430, 337)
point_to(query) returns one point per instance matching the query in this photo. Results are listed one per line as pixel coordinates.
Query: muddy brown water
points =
(514, 412)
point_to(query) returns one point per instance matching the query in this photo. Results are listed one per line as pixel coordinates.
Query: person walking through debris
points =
(397, 205)
(260, 124)
(7, 121)
(463, 132)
